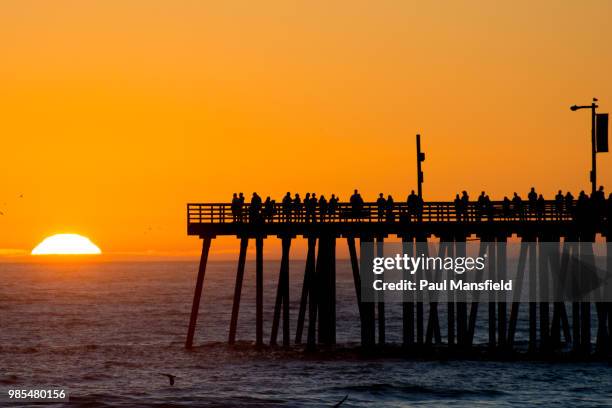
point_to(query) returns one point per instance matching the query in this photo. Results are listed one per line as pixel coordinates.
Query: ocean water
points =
(105, 331)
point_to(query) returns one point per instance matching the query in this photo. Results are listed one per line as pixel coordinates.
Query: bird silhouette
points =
(170, 377)
(341, 401)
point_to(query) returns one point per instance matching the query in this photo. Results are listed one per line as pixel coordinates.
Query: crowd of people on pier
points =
(311, 208)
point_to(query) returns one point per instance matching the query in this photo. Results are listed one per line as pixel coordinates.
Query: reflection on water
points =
(106, 330)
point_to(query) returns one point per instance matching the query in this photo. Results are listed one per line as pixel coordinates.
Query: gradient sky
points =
(115, 114)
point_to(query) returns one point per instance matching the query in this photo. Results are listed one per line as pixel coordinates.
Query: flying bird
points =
(170, 377)
(341, 402)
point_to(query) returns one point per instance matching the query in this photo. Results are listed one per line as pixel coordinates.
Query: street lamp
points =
(593, 176)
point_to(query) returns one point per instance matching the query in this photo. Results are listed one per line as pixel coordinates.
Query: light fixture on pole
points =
(599, 137)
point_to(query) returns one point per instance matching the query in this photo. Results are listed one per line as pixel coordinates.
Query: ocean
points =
(105, 331)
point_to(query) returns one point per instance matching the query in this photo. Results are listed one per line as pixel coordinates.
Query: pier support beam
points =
(198, 292)
(381, 297)
(357, 282)
(259, 291)
(326, 282)
(368, 308)
(282, 296)
(462, 315)
(502, 313)
(306, 288)
(408, 301)
(244, 243)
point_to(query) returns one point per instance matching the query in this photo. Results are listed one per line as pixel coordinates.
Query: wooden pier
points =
(568, 323)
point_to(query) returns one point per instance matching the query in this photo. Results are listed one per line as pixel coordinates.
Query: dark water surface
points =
(106, 330)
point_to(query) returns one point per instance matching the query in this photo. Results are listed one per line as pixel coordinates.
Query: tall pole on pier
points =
(593, 175)
(420, 158)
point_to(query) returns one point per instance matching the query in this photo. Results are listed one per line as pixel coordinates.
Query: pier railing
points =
(433, 211)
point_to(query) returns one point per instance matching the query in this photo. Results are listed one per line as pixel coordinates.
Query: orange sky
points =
(114, 114)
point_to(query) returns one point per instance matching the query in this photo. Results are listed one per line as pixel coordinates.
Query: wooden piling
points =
(259, 291)
(532, 259)
(309, 272)
(244, 243)
(198, 292)
(381, 297)
(357, 282)
(543, 283)
(518, 288)
(492, 297)
(408, 301)
(462, 317)
(367, 308)
(326, 280)
(502, 263)
(282, 296)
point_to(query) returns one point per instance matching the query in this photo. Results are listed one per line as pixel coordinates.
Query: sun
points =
(66, 244)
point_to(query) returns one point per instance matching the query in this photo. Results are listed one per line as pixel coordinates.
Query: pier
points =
(550, 325)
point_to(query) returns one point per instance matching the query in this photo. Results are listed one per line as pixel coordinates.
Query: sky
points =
(115, 114)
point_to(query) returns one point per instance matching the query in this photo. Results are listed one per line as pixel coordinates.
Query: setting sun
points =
(66, 244)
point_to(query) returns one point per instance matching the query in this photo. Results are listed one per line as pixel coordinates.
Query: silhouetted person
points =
(540, 207)
(506, 207)
(458, 207)
(333, 205)
(287, 202)
(517, 203)
(313, 206)
(420, 206)
(465, 204)
(381, 206)
(532, 198)
(235, 208)
(413, 202)
(308, 207)
(480, 205)
(569, 204)
(559, 204)
(488, 207)
(268, 209)
(255, 207)
(241, 207)
(582, 206)
(356, 204)
(323, 208)
(297, 207)
(390, 216)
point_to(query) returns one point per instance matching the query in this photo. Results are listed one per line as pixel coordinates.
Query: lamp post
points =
(593, 176)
